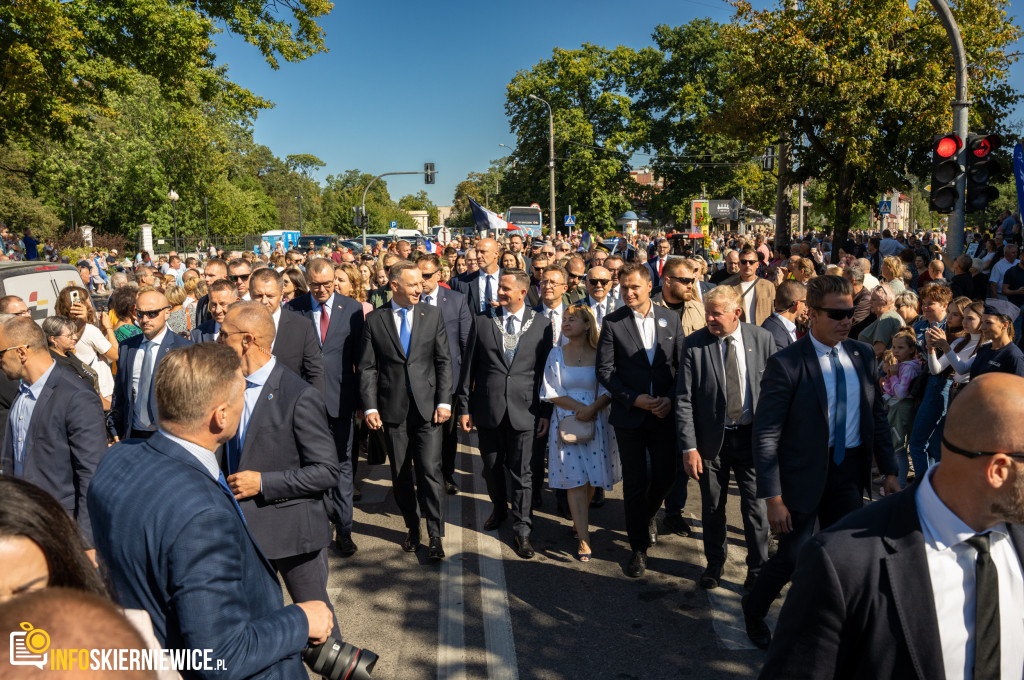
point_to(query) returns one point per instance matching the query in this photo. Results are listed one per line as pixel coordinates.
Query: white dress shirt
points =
(787, 324)
(276, 316)
(484, 303)
(23, 408)
(519, 318)
(140, 357)
(952, 568)
(206, 458)
(556, 316)
(645, 326)
(430, 298)
(600, 310)
(741, 363)
(254, 383)
(316, 312)
(852, 391)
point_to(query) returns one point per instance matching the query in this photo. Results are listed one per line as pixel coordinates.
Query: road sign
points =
(570, 220)
(394, 224)
(535, 205)
(885, 207)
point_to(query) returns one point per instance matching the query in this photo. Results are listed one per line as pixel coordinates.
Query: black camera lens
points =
(339, 660)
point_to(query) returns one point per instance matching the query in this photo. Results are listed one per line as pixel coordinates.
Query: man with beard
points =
(925, 583)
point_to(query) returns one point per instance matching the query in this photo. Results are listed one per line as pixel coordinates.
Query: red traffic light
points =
(983, 145)
(947, 146)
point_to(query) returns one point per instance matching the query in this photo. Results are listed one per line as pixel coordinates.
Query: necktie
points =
(426, 300)
(600, 312)
(325, 321)
(405, 332)
(986, 619)
(146, 416)
(487, 294)
(224, 484)
(661, 263)
(510, 328)
(556, 325)
(733, 389)
(839, 445)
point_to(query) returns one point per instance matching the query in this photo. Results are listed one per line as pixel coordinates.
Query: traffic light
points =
(946, 169)
(365, 219)
(428, 173)
(981, 168)
(768, 159)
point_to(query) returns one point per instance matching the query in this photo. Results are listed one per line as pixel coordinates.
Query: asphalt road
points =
(483, 612)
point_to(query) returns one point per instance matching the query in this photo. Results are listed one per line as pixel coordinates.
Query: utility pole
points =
(300, 211)
(206, 215)
(551, 163)
(783, 196)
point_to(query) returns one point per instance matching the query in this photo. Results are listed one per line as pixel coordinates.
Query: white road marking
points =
(451, 633)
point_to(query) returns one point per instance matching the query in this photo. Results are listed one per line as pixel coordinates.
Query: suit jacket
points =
(204, 332)
(861, 604)
(122, 404)
(492, 387)
(203, 309)
(199, 574)
(778, 331)
(339, 352)
(764, 298)
(623, 368)
(8, 393)
(65, 442)
(457, 324)
(297, 347)
(791, 425)
(469, 285)
(389, 379)
(704, 287)
(700, 386)
(652, 267)
(289, 444)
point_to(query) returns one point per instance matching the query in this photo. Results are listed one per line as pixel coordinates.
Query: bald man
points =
(926, 583)
(481, 287)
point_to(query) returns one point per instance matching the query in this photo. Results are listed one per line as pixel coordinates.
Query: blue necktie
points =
(839, 445)
(487, 294)
(224, 484)
(405, 333)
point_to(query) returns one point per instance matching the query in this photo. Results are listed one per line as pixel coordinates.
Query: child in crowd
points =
(902, 365)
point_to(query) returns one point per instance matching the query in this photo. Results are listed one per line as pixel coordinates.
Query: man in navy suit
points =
(133, 407)
(221, 295)
(215, 270)
(926, 583)
(457, 322)
(481, 287)
(790, 309)
(817, 427)
(282, 460)
(54, 437)
(295, 344)
(339, 328)
(199, 574)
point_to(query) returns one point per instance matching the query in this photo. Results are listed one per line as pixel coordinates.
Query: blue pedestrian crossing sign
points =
(570, 220)
(885, 207)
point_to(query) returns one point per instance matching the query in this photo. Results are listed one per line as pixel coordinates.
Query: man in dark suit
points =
(405, 381)
(282, 460)
(817, 427)
(198, 573)
(481, 287)
(457, 322)
(657, 263)
(295, 344)
(133, 406)
(599, 284)
(54, 437)
(339, 327)
(215, 270)
(221, 296)
(717, 389)
(500, 393)
(638, 354)
(790, 309)
(924, 584)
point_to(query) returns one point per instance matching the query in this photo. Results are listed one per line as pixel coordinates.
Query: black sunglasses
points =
(599, 282)
(838, 314)
(977, 454)
(751, 262)
(686, 281)
(150, 313)
(430, 275)
(235, 278)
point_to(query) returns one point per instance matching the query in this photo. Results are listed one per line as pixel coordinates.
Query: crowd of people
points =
(244, 390)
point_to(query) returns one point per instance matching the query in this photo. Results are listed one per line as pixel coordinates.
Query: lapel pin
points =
(663, 322)
(856, 353)
(270, 396)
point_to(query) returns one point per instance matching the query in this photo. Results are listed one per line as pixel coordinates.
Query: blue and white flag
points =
(1018, 172)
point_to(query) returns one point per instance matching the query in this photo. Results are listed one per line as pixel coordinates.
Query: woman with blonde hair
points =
(349, 282)
(892, 273)
(179, 320)
(583, 452)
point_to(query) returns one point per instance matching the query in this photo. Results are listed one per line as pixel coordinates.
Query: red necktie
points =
(661, 263)
(325, 321)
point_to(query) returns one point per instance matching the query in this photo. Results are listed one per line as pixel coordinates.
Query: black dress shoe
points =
(757, 630)
(677, 525)
(451, 488)
(652, 532)
(710, 578)
(436, 552)
(522, 546)
(495, 521)
(537, 501)
(345, 546)
(411, 542)
(598, 499)
(637, 564)
(748, 583)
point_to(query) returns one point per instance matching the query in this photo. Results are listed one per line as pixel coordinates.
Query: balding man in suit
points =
(790, 310)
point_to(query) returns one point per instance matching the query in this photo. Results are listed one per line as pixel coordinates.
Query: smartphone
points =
(75, 297)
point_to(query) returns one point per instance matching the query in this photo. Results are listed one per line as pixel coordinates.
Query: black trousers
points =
(341, 494)
(644, 486)
(505, 448)
(305, 577)
(843, 494)
(737, 457)
(449, 446)
(414, 452)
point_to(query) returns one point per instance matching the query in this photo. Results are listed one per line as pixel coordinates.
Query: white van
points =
(38, 284)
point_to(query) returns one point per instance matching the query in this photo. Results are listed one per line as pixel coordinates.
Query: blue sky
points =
(408, 82)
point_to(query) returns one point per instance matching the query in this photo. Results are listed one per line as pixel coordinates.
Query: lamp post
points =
(551, 161)
(173, 197)
(300, 211)
(206, 216)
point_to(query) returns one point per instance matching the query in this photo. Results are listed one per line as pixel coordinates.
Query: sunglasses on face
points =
(599, 282)
(235, 278)
(837, 314)
(429, 275)
(149, 313)
(748, 262)
(978, 454)
(681, 279)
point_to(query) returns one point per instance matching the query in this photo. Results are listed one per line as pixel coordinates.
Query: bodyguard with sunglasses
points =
(818, 424)
(133, 406)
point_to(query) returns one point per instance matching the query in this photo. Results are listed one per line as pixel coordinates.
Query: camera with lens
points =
(339, 660)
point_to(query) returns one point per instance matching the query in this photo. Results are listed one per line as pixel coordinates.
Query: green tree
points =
(420, 201)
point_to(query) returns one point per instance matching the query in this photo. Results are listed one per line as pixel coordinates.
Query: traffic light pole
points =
(955, 229)
(385, 174)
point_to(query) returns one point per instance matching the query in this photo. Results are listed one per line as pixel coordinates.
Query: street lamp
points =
(300, 211)
(551, 161)
(173, 197)
(206, 215)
